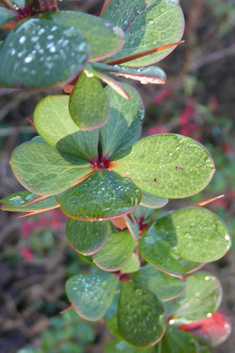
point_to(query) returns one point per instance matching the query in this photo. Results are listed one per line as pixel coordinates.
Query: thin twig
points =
(141, 54)
(106, 3)
(8, 4)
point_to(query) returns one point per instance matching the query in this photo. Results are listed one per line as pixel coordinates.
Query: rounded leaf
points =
(88, 103)
(133, 265)
(200, 299)
(38, 54)
(167, 165)
(54, 124)
(147, 25)
(103, 195)
(91, 294)
(43, 170)
(141, 316)
(86, 237)
(195, 234)
(116, 252)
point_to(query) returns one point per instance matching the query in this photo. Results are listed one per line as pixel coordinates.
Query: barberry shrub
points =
(88, 161)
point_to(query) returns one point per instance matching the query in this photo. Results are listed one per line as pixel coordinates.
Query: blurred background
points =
(197, 101)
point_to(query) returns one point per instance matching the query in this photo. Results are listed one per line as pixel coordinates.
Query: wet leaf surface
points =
(141, 317)
(91, 294)
(200, 299)
(39, 54)
(167, 165)
(103, 195)
(86, 237)
(116, 252)
(146, 24)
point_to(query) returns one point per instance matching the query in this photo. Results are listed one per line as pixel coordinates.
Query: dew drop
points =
(28, 59)
(34, 39)
(150, 22)
(171, 155)
(22, 39)
(12, 52)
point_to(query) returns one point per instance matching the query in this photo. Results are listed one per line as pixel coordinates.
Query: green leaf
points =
(200, 299)
(189, 266)
(88, 104)
(15, 202)
(43, 170)
(115, 85)
(91, 294)
(141, 317)
(165, 286)
(152, 201)
(167, 165)
(158, 254)
(54, 123)
(116, 252)
(124, 125)
(194, 233)
(104, 38)
(119, 345)
(133, 265)
(147, 24)
(6, 15)
(103, 195)
(151, 74)
(177, 341)
(39, 54)
(86, 237)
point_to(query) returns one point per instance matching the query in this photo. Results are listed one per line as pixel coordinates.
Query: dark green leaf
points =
(91, 294)
(38, 54)
(158, 254)
(121, 346)
(146, 24)
(116, 252)
(54, 123)
(195, 234)
(165, 286)
(15, 202)
(177, 341)
(43, 170)
(151, 74)
(104, 38)
(133, 265)
(141, 317)
(103, 195)
(88, 104)
(6, 15)
(86, 237)
(167, 165)
(200, 299)
(152, 201)
(124, 125)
